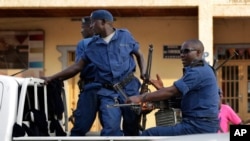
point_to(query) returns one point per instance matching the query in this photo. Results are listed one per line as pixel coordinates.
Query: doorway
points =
(234, 80)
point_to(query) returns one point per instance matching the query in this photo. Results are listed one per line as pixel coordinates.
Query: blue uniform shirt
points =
(199, 92)
(88, 72)
(114, 60)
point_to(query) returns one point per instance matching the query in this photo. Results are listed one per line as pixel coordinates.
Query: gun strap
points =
(126, 80)
(121, 84)
(119, 89)
(118, 86)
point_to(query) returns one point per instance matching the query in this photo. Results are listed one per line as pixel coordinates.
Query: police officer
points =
(87, 104)
(112, 51)
(198, 89)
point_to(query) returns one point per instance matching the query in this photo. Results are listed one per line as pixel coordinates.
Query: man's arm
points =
(161, 94)
(79, 51)
(66, 73)
(140, 62)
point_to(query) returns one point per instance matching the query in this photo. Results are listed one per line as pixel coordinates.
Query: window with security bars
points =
(248, 89)
(171, 51)
(230, 86)
(234, 52)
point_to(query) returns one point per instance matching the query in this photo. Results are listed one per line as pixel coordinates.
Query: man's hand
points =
(157, 83)
(142, 76)
(47, 80)
(134, 99)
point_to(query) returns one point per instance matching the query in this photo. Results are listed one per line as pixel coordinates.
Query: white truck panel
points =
(13, 91)
(8, 106)
(195, 137)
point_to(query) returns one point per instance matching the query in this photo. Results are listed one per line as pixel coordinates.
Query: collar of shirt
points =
(109, 37)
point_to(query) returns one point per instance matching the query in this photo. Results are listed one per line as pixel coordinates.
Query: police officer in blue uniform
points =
(198, 89)
(112, 51)
(87, 104)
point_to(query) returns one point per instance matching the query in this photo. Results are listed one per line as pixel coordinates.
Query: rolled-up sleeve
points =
(189, 81)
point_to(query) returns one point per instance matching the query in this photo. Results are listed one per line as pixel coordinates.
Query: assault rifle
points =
(146, 81)
(147, 107)
(224, 62)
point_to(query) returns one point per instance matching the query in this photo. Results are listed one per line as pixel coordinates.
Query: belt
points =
(121, 84)
(82, 82)
(108, 86)
(85, 81)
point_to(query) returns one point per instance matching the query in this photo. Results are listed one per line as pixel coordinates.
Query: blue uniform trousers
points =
(111, 118)
(187, 126)
(85, 113)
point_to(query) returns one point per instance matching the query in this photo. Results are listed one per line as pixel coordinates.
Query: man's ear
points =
(199, 52)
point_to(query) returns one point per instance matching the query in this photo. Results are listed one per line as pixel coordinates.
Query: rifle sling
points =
(121, 84)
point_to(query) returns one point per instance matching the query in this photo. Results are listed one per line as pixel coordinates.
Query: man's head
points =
(102, 15)
(191, 50)
(86, 31)
(101, 22)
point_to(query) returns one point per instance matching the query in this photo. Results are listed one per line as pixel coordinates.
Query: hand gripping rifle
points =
(147, 107)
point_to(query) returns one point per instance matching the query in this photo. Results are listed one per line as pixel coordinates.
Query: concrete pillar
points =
(205, 23)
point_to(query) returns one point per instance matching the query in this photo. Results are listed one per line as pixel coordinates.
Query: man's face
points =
(97, 26)
(86, 31)
(188, 54)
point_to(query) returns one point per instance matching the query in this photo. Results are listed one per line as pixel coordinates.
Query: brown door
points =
(234, 79)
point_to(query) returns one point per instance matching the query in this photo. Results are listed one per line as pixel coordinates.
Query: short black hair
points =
(86, 20)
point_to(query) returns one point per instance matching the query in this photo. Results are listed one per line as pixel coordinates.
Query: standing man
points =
(199, 90)
(111, 50)
(87, 104)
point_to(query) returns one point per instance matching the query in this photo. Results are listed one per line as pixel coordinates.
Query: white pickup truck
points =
(19, 96)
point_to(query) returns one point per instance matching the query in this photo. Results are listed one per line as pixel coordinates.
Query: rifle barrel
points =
(224, 62)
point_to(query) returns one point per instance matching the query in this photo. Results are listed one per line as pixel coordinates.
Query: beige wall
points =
(229, 31)
(95, 3)
(158, 31)
(161, 31)
(58, 31)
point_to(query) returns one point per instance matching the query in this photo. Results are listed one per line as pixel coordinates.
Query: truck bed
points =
(197, 137)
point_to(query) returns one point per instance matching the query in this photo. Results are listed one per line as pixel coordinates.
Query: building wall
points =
(95, 3)
(231, 31)
(158, 31)
(155, 30)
